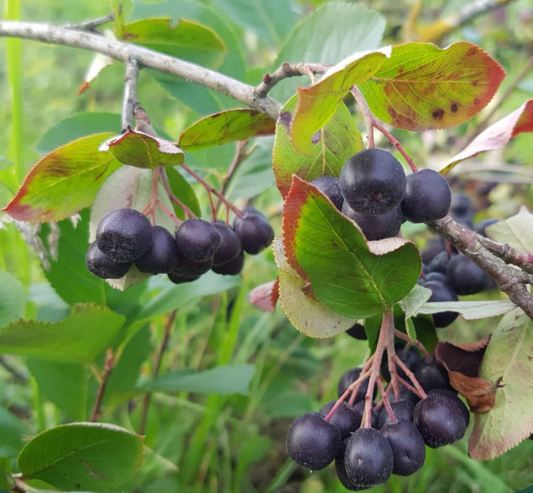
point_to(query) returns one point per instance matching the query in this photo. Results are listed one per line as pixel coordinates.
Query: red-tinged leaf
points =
(143, 151)
(317, 103)
(63, 182)
(98, 64)
(226, 126)
(509, 356)
(266, 296)
(342, 271)
(497, 136)
(336, 143)
(423, 87)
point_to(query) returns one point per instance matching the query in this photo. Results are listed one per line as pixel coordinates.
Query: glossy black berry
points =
(187, 268)
(357, 331)
(331, 188)
(408, 447)
(465, 277)
(102, 266)
(124, 235)
(231, 268)
(254, 231)
(452, 397)
(368, 458)
(409, 357)
(177, 279)
(402, 409)
(197, 239)
(440, 293)
(162, 256)
(481, 228)
(439, 421)
(432, 375)
(376, 227)
(340, 469)
(349, 377)
(313, 442)
(230, 245)
(347, 419)
(440, 262)
(427, 197)
(373, 182)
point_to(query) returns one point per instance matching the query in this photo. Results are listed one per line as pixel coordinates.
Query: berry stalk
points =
(418, 344)
(385, 399)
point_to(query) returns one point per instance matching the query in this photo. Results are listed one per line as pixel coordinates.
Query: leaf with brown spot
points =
(63, 182)
(497, 136)
(265, 296)
(509, 355)
(422, 87)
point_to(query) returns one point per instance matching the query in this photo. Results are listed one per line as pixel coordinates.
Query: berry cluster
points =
(449, 274)
(126, 236)
(393, 438)
(374, 192)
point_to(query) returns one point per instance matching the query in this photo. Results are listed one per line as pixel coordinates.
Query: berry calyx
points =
(313, 442)
(331, 188)
(197, 239)
(162, 256)
(124, 235)
(372, 182)
(427, 197)
(102, 266)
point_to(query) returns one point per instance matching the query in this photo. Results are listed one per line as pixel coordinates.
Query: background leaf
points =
(182, 189)
(11, 430)
(63, 182)
(517, 231)
(226, 126)
(337, 141)
(80, 338)
(422, 87)
(80, 456)
(328, 35)
(12, 298)
(509, 355)
(349, 276)
(470, 310)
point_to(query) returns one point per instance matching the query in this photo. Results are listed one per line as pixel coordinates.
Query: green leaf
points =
(11, 431)
(5, 163)
(422, 87)
(372, 329)
(64, 384)
(50, 306)
(77, 126)
(68, 274)
(470, 310)
(271, 21)
(307, 315)
(508, 355)
(517, 231)
(4, 469)
(226, 126)
(63, 182)
(183, 190)
(184, 40)
(226, 379)
(497, 136)
(120, 14)
(129, 187)
(318, 102)
(80, 338)
(12, 298)
(412, 303)
(336, 142)
(143, 151)
(83, 456)
(289, 404)
(328, 35)
(350, 276)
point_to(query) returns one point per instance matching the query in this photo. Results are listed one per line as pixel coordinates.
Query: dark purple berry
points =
(373, 182)
(124, 235)
(231, 268)
(347, 419)
(340, 469)
(439, 421)
(357, 331)
(177, 279)
(254, 231)
(102, 266)
(461, 204)
(465, 277)
(442, 292)
(401, 409)
(187, 268)
(313, 442)
(440, 263)
(230, 245)
(455, 399)
(432, 375)
(331, 188)
(481, 228)
(197, 239)
(376, 227)
(409, 357)
(427, 197)
(408, 447)
(432, 249)
(368, 458)
(349, 377)
(162, 256)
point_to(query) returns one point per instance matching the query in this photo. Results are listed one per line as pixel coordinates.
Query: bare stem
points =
(352, 388)
(157, 366)
(418, 344)
(386, 401)
(93, 24)
(130, 100)
(164, 179)
(411, 376)
(378, 406)
(408, 386)
(108, 368)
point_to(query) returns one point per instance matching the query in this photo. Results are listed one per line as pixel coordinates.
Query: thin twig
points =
(157, 366)
(130, 101)
(92, 25)
(418, 344)
(408, 386)
(386, 401)
(411, 376)
(164, 179)
(108, 368)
